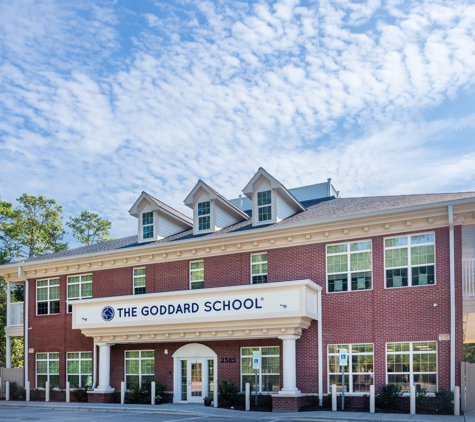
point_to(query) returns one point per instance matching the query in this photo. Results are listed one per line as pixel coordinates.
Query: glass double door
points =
(197, 379)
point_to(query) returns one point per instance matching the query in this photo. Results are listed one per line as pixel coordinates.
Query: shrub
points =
(228, 393)
(444, 402)
(422, 400)
(79, 395)
(16, 392)
(138, 394)
(389, 397)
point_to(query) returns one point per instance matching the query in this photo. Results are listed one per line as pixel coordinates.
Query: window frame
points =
(80, 283)
(409, 265)
(266, 274)
(349, 272)
(81, 373)
(266, 205)
(260, 373)
(349, 368)
(195, 270)
(140, 359)
(411, 352)
(49, 300)
(134, 277)
(148, 225)
(48, 374)
(200, 216)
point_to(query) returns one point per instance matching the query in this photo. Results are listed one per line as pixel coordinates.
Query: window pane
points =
(360, 261)
(270, 383)
(197, 285)
(139, 271)
(422, 238)
(54, 293)
(423, 275)
(264, 198)
(147, 218)
(361, 383)
(361, 281)
(338, 283)
(396, 257)
(204, 208)
(422, 255)
(402, 380)
(336, 248)
(337, 263)
(396, 278)
(360, 246)
(396, 241)
(259, 257)
(197, 265)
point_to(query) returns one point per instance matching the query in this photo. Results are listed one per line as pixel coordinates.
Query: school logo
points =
(108, 313)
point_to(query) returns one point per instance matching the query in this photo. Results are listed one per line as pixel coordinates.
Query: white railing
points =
(16, 314)
(468, 277)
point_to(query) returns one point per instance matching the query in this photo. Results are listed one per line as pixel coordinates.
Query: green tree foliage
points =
(469, 352)
(89, 228)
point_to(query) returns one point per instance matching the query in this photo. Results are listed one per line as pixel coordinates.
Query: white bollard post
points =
(333, 397)
(152, 395)
(248, 396)
(27, 389)
(412, 391)
(457, 401)
(371, 399)
(7, 390)
(68, 392)
(47, 391)
(122, 392)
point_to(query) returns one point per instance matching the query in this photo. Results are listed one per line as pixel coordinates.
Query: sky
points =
(101, 100)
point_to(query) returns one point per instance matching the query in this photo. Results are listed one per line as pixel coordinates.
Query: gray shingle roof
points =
(315, 212)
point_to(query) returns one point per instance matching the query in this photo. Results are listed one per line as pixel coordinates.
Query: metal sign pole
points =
(255, 383)
(256, 365)
(343, 387)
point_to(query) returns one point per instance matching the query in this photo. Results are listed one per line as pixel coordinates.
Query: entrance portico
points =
(264, 311)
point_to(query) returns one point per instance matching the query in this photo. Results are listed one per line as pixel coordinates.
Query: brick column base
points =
(93, 397)
(290, 403)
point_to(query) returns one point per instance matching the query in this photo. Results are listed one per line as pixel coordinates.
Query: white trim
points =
(259, 372)
(140, 359)
(80, 297)
(138, 276)
(48, 301)
(190, 271)
(47, 360)
(452, 297)
(80, 360)
(259, 263)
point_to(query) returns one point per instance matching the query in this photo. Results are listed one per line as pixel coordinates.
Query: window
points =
(410, 260)
(147, 225)
(47, 369)
(139, 281)
(264, 205)
(412, 364)
(259, 268)
(204, 215)
(139, 367)
(268, 377)
(349, 266)
(79, 367)
(79, 287)
(197, 274)
(47, 297)
(358, 372)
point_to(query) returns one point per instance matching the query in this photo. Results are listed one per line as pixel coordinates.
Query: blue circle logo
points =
(108, 313)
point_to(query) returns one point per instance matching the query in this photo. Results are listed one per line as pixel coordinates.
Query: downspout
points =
(452, 297)
(320, 350)
(25, 321)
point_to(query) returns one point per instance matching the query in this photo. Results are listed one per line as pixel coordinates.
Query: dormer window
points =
(264, 205)
(147, 225)
(204, 215)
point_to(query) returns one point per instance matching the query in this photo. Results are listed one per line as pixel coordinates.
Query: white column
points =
(289, 364)
(8, 352)
(9, 304)
(104, 368)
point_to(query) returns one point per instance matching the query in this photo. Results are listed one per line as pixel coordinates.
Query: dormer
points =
(271, 200)
(211, 210)
(157, 220)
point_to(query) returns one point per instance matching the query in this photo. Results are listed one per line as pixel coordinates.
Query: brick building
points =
(293, 274)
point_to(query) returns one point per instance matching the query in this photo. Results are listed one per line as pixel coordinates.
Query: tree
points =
(9, 233)
(469, 352)
(89, 228)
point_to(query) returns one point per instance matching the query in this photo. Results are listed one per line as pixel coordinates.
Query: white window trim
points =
(349, 367)
(138, 276)
(48, 360)
(49, 300)
(196, 270)
(140, 358)
(153, 225)
(411, 352)
(348, 272)
(80, 282)
(272, 207)
(260, 262)
(80, 373)
(211, 217)
(259, 373)
(409, 265)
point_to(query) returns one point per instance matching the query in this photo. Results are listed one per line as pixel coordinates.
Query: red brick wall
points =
(376, 316)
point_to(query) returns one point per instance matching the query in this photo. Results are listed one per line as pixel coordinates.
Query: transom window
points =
(47, 297)
(264, 205)
(259, 268)
(139, 367)
(204, 215)
(412, 364)
(79, 368)
(358, 372)
(268, 376)
(410, 260)
(47, 369)
(139, 281)
(79, 287)
(147, 225)
(349, 266)
(197, 274)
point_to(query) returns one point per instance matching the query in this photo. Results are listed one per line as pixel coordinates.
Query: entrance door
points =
(197, 380)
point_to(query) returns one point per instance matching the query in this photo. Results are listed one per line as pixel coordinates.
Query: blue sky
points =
(100, 100)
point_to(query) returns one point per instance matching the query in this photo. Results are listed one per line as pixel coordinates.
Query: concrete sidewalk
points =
(223, 414)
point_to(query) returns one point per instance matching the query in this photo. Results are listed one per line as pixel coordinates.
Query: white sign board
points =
(256, 360)
(343, 357)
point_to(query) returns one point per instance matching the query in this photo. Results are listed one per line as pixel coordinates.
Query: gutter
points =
(25, 322)
(452, 296)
